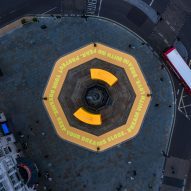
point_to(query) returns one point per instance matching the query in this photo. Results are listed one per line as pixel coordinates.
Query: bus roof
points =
(180, 65)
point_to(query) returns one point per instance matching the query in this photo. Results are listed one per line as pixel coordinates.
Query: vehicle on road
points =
(179, 67)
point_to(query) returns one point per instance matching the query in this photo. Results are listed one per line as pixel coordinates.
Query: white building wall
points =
(10, 179)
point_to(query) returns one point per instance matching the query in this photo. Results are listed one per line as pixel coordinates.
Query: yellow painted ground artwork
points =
(115, 136)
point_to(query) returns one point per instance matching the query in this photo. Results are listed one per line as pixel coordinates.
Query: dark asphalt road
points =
(11, 10)
(157, 35)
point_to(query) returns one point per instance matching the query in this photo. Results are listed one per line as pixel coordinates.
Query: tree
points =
(23, 21)
(35, 19)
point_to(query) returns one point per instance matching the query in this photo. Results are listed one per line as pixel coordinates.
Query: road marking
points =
(161, 35)
(91, 7)
(152, 1)
(49, 10)
(166, 41)
(100, 3)
(186, 106)
(173, 29)
(167, 22)
(178, 92)
(11, 12)
(185, 109)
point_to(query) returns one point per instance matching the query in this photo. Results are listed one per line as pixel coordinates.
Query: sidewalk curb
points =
(14, 25)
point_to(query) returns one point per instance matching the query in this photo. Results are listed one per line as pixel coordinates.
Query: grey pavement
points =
(27, 57)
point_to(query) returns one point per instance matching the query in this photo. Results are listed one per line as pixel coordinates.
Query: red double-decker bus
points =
(179, 66)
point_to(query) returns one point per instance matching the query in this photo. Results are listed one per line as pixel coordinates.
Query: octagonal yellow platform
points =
(113, 137)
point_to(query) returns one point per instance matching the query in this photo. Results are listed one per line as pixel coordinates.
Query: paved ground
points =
(26, 59)
(176, 16)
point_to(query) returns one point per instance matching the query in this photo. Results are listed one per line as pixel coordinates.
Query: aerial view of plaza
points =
(95, 95)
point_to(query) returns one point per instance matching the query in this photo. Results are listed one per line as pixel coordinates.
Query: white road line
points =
(180, 99)
(182, 107)
(91, 7)
(100, 3)
(152, 1)
(49, 10)
(189, 63)
(173, 29)
(186, 106)
(174, 118)
(12, 11)
(167, 22)
(161, 35)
